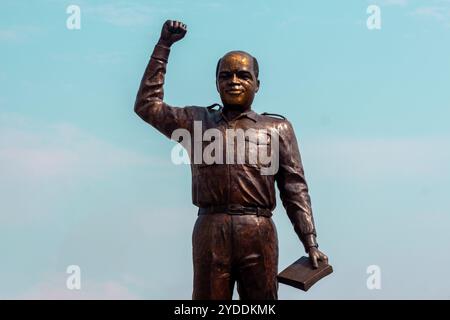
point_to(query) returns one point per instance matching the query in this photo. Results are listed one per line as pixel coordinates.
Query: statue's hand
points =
(315, 255)
(172, 31)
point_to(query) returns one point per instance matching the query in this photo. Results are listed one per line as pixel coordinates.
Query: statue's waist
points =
(235, 209)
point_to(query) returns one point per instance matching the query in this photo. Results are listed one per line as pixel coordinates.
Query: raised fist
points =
(172, 31)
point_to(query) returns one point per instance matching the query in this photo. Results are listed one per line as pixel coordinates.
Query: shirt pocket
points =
(258, 149)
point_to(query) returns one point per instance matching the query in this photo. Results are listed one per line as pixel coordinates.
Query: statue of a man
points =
(234, 238)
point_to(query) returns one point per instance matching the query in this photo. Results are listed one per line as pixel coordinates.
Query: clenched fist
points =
(172, 31)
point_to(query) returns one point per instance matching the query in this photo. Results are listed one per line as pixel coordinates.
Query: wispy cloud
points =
(106, 58)
(124, 14)
(393, 2)
(8, 34)
(382, 159)
(54, 288)
(439, 13)
(57, 149)
(389, 3)
(438, 10)
(37, 159)
(18, 33)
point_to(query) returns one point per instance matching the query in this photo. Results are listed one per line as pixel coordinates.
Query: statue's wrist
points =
(161, 52)
(309, 241)
(164, 43)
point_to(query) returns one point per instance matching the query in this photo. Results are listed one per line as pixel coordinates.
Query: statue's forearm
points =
(151, 92)
(296, 199)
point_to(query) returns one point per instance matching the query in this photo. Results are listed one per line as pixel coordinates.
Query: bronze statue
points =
(234, 238)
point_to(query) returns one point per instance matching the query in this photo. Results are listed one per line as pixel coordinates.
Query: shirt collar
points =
(248, 114)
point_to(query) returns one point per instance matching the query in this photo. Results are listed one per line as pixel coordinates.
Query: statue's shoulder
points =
(278, 121)
(214, 107)
(274, 116)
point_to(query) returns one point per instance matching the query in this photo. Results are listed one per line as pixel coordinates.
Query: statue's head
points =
(237, 79)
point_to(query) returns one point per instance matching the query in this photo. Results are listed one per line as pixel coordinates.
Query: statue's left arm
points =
(294, 191)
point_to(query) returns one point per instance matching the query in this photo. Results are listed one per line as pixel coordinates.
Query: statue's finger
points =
(314, 262)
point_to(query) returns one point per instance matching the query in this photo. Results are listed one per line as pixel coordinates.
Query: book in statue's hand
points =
(302, 275)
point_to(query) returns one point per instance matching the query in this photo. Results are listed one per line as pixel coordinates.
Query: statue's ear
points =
(217, 74)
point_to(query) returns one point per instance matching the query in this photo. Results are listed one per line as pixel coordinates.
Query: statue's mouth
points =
(234, 92)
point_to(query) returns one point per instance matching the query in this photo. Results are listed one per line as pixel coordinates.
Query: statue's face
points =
(236, 80)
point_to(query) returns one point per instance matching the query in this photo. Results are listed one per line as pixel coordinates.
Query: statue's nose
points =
(234, 79)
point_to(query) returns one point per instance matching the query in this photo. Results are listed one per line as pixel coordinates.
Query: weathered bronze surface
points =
(234, 238)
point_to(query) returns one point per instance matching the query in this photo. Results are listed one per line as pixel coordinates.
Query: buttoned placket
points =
(231, 124)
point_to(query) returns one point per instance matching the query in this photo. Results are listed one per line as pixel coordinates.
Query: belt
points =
(233, 209)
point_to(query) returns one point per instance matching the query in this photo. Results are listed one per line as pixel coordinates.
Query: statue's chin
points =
(237, 102)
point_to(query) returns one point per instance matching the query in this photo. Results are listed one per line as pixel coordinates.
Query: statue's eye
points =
(245, 75)
(224, 75)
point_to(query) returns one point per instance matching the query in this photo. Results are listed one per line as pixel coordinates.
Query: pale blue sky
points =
(84, 181)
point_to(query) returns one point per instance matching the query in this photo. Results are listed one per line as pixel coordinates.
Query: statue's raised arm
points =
(150, 105)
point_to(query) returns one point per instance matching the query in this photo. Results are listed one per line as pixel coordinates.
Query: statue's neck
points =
(232, 112)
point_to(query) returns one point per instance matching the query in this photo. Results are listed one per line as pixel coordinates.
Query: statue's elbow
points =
(146, 109)
(140, 107)
(137, 109)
